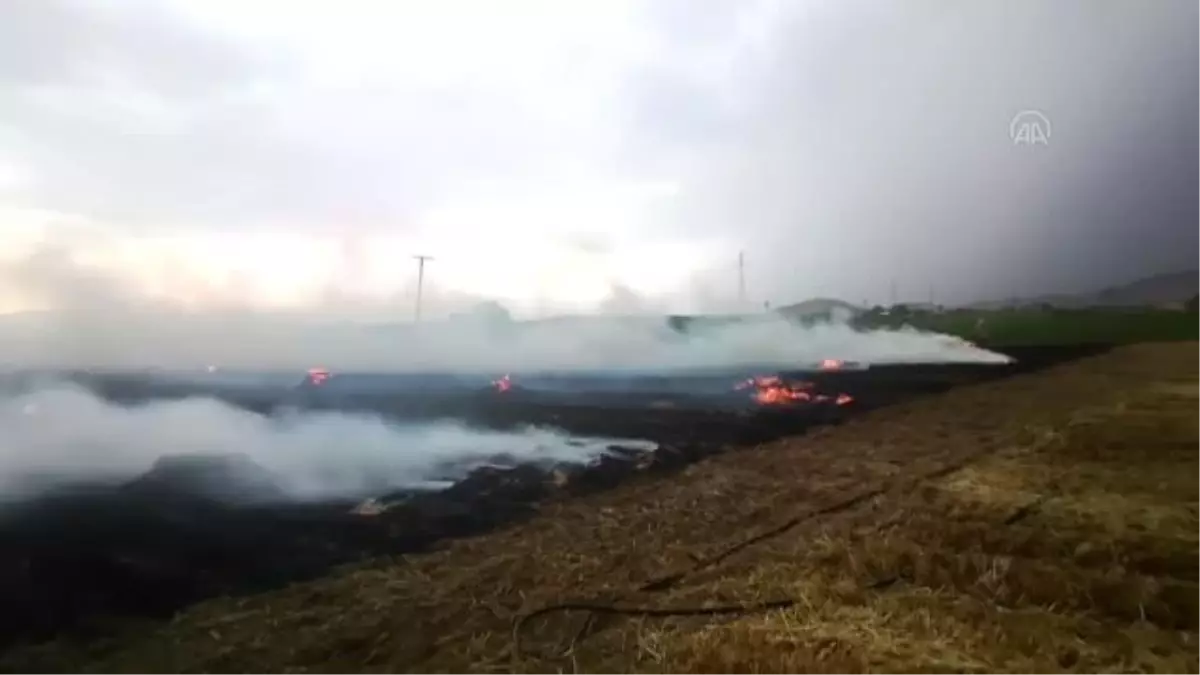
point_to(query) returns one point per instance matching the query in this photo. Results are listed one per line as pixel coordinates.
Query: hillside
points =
(1169, 289)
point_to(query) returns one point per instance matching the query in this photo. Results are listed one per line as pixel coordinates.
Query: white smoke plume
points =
(594, 343)
(94, 321)
(61, 434)
(651, 345)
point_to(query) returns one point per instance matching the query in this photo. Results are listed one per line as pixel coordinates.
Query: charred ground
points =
(157, 554)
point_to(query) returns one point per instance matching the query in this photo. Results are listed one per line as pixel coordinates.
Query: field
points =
(1044, 522)
(1034, 326)
(198, 526)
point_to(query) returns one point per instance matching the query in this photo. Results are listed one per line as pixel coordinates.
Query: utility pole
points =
(741, 280)
(420, 283)
(893, 302)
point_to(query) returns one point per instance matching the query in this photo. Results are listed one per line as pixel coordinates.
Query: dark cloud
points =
(879, 151)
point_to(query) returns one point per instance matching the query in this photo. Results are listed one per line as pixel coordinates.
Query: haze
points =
(58, 434)
(255, 166)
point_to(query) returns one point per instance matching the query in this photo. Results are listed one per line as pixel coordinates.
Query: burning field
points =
(188, 491)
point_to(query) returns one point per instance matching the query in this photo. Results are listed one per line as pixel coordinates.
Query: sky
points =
(261, 156)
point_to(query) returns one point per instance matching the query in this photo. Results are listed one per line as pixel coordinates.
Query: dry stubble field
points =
(1046, 522)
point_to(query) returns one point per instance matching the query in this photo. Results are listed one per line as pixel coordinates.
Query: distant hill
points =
(1161, 290)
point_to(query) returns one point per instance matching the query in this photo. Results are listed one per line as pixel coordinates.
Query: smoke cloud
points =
(245, 341)
(93, 320)
(59, 434)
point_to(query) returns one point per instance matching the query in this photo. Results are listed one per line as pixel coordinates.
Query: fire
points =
(832, 364)
(318, 376)
(773, 390)
(503, 384)
(779, 394)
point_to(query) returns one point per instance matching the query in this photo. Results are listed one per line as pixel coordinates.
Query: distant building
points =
(821, 309)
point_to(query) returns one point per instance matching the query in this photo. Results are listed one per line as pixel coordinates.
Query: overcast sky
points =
(588, 155)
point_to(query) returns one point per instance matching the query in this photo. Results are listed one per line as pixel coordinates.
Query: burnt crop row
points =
(149, 547)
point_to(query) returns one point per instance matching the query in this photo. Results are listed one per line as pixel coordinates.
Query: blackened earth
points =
(195, 527)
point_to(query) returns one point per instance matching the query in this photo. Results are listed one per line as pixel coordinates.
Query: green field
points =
(1047, 327)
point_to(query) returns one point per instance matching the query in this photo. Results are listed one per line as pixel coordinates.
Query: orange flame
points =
(773, 390)
(318, 376)
(777, 395)
(832, 364)
(503, 384)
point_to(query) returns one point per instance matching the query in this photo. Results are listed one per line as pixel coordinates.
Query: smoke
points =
(650, 344)
(94, 321)
(466, 345)
(59, 434)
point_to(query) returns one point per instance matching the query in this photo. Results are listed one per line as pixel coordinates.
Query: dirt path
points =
(1043, 523)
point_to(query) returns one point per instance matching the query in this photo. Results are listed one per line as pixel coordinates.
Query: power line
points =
(420, 283)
